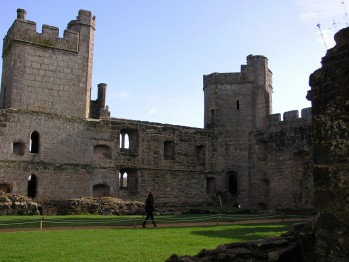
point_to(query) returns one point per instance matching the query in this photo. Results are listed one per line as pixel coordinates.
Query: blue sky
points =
(153, 54)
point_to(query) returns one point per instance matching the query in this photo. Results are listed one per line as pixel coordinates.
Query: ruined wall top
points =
(248, 73)
(290, 117)
(24, 31)
(84, 18)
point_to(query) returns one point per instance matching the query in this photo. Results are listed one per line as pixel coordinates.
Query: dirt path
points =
(166, 225)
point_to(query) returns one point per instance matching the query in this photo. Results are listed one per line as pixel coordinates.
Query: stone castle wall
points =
(75, 155)
(281, 162)
(58, 144)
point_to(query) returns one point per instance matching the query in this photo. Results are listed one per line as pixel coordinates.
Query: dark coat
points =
(149, 204)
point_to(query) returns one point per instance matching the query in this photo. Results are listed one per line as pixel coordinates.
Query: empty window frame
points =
(123, 179)
(129, 140)
(124, 141)
(34, 142)
(102, 152)
(32, 184)
(18, 148)
(201, 154)
(232, 183)
(6, 188)
(128, 180)
(101, 190)
(210, 185)
(169, 150)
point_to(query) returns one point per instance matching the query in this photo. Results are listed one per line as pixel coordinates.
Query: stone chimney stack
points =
(102, 89)
(21, 14)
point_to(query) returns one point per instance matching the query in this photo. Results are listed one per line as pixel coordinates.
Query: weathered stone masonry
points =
(326, 238)
(56, 143)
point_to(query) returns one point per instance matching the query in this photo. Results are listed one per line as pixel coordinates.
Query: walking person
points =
(149, 209)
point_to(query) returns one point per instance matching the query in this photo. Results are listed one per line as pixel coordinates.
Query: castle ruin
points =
(57, 143)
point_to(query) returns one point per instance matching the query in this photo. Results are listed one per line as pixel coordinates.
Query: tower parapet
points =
(290, 117)
(250, 91)
(24, 31)
(84, 18)
(256, 70)
(47, 73)
(223, 78)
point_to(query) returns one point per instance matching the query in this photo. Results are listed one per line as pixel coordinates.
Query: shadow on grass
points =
(246, 232)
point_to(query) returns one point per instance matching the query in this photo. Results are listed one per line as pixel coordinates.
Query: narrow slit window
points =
(237, 105)
(201, 154)
(212, 117)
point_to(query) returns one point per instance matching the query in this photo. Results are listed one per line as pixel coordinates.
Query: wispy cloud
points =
(152, 111)
(321, 11)
(120, 94)
(331, 16)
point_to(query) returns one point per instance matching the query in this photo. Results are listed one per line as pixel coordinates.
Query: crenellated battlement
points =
(84, 18)
(256, 70)
(290, 117)
(56, 68)
(24, 31)
(223, 78)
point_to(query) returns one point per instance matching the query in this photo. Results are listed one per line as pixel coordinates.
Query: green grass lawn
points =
(126, 244)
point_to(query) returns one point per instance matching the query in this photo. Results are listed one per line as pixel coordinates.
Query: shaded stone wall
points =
(281, 163)
(326, 238)
(235, 105)
(329, 95)
(78, 157)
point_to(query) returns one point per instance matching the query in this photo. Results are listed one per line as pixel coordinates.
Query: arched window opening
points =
(232, 184)
(101, 190)
(123, 179)
(201, 154)
(32, 186)
(124, 141)
(128, 181)
(6, 188)
(129, 140)
(18, 148)
(34, 142)
(210, 185)
(169, 150)
(102, 152)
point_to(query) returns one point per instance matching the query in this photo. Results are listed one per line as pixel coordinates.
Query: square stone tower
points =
(46, 73)
(237, 104)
